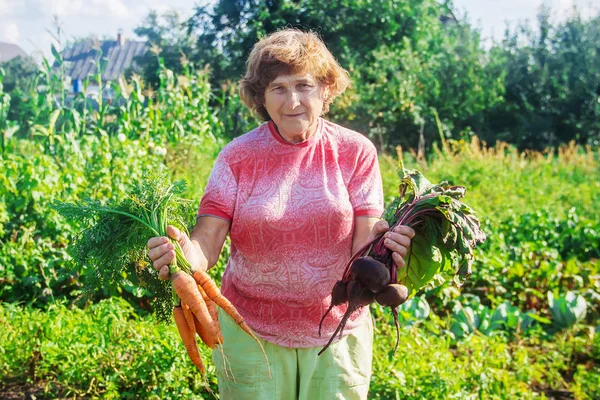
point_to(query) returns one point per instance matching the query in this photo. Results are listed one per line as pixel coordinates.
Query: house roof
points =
(9, 51)
(80, 59)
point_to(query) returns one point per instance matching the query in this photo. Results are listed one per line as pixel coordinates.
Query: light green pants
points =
(343, 371)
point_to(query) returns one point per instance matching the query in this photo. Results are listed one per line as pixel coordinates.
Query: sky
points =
(27, 22)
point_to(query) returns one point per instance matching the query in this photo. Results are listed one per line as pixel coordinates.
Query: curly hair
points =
(286, 52)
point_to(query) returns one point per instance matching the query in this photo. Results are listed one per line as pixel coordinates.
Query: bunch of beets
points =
(447, 231)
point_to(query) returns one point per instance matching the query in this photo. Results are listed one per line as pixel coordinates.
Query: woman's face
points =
(294, 103)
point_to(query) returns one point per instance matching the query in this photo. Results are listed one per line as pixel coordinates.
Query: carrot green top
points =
(292, 208)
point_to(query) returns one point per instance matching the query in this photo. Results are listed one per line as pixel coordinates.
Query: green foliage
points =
(552, 85)
(412, 62)
(567, 310)
(17, 72)
(104, 351)
(108, 351)
(6, 127)
(114, 240)
(168, 35)
(34, 264)
(75, 151)
(447, 231)
(473, 317)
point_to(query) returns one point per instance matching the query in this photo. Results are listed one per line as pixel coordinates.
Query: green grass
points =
(108, 351)
(501, 181)
(103, 351)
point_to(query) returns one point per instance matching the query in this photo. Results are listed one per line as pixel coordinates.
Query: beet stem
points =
(361, 252)
(323, 319)
(353, 305)
(339, 328)
(395, 314)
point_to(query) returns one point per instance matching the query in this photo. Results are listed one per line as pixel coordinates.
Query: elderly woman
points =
(297, 196)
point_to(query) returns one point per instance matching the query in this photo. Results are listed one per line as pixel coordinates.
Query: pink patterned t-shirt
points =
(292, 210)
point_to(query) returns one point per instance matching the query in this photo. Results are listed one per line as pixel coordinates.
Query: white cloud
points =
(79, 18)
(160, 6)
(79, 8)
(115, 7)
(39, 45)
(11, 8)
(9, 32)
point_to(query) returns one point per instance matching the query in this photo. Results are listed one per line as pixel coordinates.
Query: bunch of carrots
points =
(195, 310)
(113, 240)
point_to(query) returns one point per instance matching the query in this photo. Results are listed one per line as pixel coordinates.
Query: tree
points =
(18, 72)
(168, 37)
(552, 84)
(400, 56)
(411, 62)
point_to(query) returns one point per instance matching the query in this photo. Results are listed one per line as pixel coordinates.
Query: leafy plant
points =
(414, 309)
(104, 351)
(567, 310)
(504, 319)
(114, 242)
(447, 231)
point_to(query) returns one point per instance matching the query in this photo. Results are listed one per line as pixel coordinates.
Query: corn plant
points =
(4, 106)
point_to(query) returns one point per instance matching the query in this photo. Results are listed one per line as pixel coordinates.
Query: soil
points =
(30, 391)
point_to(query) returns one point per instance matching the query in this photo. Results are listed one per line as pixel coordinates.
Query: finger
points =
(164, 273)
(164, 260)
(157, 241)
(395, 246)
(160, 251)
(174, 233)
(380, 227)
(398, 260)
(405, 230)
(404, 240)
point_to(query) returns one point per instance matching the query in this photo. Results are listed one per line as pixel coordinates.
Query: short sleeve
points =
(221, 191)
(365, 187)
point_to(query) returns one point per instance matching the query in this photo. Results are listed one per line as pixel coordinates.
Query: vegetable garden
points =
(524, 325)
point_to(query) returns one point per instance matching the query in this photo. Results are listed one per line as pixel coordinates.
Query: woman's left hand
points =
(397, 240)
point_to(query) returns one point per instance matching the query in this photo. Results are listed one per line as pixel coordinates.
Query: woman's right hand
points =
(162, 251)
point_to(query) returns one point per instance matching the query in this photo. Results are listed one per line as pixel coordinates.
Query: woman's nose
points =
(293, 99)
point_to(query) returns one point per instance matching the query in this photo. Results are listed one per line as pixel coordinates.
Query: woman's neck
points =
(295, 139)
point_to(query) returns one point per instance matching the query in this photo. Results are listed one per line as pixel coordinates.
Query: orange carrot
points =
(213, 292)
(187, 290)
(201, 331)
(197, 327)
(212, 310)
(189, 317)
(188, 338)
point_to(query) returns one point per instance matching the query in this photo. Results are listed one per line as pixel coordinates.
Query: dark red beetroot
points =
(392, 296)
(373, 274)
(363, 296)
(358, 296)
(366, 277)
(339, 295)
